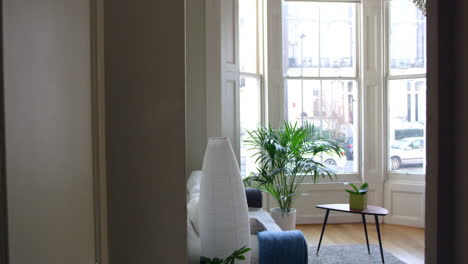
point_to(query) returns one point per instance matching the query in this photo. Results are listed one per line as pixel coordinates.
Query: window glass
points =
(407, 38)
(248, 44)
(320, 44)
(250, 78)
(332, 107)
(319, 39)
(407, 125)
(250, 118)
(406, 95)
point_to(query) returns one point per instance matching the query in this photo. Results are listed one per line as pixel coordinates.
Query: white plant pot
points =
(286, 221)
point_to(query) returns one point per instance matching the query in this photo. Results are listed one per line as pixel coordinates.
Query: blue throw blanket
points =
(282, 247)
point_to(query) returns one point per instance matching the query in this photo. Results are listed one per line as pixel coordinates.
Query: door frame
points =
(441, 202)
(99, 131)
(4, 249)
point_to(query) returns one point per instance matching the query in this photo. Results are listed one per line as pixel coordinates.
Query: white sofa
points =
(260, 220)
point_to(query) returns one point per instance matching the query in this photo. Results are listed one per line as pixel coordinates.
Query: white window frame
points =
(270, 73)
(393, 175)
(259, 71)
(277, 79)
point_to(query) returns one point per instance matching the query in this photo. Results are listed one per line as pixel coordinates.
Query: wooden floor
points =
(407, 243)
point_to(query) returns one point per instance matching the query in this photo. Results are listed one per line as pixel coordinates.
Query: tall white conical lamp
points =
(224, 220)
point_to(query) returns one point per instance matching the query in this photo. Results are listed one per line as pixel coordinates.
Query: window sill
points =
(338, 179)
(406, 177)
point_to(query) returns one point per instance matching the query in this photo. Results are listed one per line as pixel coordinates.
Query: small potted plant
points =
(236, 255)
(358, 197)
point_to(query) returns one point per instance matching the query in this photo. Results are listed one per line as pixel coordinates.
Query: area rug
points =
(350, 254)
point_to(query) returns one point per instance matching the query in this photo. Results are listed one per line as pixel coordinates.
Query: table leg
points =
(380, 239)
(323, 230)
(365, 231)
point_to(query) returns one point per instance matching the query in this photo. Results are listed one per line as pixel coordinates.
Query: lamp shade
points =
(224, 221)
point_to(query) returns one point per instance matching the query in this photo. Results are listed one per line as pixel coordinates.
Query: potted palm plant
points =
(284, 158)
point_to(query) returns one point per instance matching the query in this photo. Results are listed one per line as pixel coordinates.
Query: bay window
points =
(314, 70)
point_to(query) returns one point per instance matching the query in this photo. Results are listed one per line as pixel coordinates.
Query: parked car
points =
(407, 151)
(349, 149)
(334, 160)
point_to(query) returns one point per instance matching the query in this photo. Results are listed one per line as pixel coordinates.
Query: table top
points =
(370, 210)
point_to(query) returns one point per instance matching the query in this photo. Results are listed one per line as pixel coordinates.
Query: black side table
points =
(370, 210)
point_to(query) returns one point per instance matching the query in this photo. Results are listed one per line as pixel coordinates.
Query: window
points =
(315, 76)
(251, 78)
(321, 73)
(406, 88)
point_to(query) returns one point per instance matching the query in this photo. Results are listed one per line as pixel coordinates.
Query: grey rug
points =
(350, 254)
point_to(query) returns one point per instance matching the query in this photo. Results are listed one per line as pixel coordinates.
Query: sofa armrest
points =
(278, 247)
(267, 223)
(254, 197)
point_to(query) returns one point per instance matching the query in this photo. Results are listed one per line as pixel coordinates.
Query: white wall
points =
(222, 71)
(48, 131)
(218, 117)
(405, 202)
(211, 97)
(195, 84)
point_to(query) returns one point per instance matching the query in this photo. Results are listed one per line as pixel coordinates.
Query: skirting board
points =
(405, 220)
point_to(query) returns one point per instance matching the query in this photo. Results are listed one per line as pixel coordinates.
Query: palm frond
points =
(285, 157)
(421, 5)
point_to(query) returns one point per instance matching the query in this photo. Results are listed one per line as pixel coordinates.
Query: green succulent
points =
(361, 191)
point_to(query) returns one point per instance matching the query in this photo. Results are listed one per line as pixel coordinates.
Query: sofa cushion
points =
(265, 218)
(193, 244)
(254, 197)
(193, 183)
(256, 226)
(193, 212)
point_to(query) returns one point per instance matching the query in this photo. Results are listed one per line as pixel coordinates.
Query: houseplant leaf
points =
(353, 186)
(285, 156)
(364, 186)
